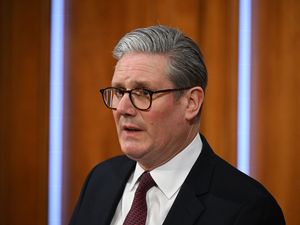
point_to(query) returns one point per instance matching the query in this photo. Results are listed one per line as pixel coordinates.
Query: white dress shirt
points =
(169, 177)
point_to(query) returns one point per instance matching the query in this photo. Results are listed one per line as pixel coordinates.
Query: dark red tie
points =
(138, 212)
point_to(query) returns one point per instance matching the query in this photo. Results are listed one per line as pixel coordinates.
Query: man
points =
(156, 96)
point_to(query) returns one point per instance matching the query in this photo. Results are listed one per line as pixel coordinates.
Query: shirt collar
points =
(179, 166)
(136, 175)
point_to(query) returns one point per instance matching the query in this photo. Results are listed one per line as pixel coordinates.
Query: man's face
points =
(150, 137)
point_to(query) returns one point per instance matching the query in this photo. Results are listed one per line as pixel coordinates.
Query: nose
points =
(125, 106)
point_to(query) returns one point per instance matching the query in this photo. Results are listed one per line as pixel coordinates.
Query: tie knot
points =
(146, 182)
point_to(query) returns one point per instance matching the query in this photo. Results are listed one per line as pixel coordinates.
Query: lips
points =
(131, 128)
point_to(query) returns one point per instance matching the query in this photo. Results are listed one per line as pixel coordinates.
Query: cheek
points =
(162, 123)
(154, 124)
(116, 119)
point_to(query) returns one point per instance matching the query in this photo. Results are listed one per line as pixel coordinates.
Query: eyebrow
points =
(135, 84)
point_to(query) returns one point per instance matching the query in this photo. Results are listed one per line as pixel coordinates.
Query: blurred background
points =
(92, 28)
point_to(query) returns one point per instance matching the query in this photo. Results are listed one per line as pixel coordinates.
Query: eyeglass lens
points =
(140, 98)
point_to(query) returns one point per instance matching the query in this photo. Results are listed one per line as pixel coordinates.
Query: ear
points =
(195, 97)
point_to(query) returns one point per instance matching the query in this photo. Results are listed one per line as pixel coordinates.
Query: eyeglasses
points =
(140, 98)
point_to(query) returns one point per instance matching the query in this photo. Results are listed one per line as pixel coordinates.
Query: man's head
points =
(158, 90)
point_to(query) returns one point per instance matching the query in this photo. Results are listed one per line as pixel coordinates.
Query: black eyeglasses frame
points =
(151, 93)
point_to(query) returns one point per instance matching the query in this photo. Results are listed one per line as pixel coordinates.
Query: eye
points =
(119, 92)
(141, 92)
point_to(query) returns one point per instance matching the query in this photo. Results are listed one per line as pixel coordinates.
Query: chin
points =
(133, 152)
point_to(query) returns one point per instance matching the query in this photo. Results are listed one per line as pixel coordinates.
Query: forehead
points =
(141, 69)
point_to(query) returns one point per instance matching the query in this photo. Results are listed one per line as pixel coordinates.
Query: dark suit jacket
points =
(214, 193)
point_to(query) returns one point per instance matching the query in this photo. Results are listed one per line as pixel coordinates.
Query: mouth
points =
(130, 128)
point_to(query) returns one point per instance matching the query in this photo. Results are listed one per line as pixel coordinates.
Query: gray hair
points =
(186, 64)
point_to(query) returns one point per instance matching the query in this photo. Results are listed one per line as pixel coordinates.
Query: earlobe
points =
(195, 100)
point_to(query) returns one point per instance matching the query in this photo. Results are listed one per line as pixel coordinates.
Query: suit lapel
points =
(111, 194)
(188, 207)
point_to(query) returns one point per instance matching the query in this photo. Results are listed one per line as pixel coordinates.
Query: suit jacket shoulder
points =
(217, 193)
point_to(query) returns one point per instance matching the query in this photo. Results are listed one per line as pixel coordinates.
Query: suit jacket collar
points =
(188, 203)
